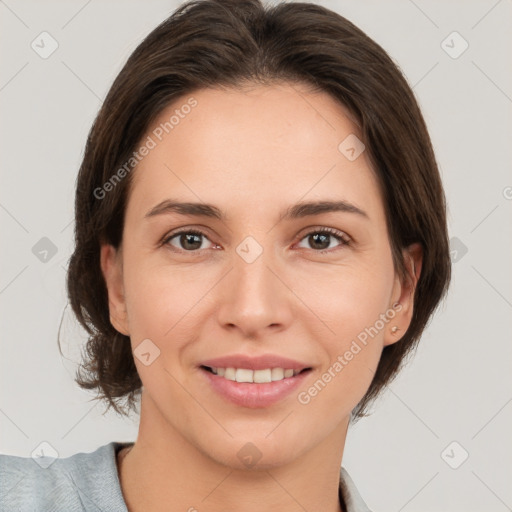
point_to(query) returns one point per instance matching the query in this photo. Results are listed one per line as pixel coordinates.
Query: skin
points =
(252, 153)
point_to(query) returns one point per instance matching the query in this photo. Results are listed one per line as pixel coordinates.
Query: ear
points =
(403, 295)
(112, 267)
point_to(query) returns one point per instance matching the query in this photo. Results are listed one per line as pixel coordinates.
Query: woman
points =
(260, 241)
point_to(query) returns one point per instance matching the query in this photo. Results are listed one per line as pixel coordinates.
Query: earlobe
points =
(403, 295)
(112, 269)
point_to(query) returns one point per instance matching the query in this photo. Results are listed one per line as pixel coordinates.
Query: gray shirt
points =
(88, 482)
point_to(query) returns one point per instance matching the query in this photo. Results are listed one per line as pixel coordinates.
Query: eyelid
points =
(325, 229)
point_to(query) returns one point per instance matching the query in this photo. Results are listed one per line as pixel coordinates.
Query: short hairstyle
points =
(232, 43)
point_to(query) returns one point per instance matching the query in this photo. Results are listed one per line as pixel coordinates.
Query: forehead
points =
(260, 145)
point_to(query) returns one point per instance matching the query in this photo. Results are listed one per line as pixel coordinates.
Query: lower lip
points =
(252, 395)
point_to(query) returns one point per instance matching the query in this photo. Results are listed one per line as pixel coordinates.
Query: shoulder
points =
(84, 481)
(353, 500)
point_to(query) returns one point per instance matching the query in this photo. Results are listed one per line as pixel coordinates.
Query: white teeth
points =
(257, 376)
(230, 374)
(277, 373)
(262, 376)
(243, 375)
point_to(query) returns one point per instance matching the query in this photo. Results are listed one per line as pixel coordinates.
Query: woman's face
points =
(255, 277)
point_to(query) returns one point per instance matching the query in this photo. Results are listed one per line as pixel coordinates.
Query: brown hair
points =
(229, 43)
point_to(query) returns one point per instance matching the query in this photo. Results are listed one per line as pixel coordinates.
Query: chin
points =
(256, 453)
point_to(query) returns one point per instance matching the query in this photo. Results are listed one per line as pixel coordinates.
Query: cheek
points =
(353, 307)
(162, 306)
(348, 298)
(163, 302)
(351, 347)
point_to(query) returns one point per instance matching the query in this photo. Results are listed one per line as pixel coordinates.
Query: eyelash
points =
(340, 236)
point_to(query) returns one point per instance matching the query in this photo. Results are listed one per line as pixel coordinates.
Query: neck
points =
(164, 471)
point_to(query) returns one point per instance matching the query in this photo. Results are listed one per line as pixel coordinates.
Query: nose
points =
(255, 298)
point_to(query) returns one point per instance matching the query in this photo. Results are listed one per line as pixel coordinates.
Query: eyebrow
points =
(299, 210)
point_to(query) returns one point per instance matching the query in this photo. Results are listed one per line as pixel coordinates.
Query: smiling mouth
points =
(263, 376)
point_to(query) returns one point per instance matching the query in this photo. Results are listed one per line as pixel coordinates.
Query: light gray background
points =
(458, 386)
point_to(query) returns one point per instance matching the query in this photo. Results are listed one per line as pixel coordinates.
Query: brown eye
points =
(190, 240)
(321, 240)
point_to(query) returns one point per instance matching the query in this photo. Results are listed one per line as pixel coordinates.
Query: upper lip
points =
(255, 362)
